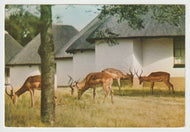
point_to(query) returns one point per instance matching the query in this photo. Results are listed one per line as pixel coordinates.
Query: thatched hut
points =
(27, 61)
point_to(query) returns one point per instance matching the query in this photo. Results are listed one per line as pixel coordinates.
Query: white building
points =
(27, 61)
(12, 47)
(83, 52)
(156, 47)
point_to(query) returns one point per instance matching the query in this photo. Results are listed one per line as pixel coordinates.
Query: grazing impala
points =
(117, 74)
(31, 83)
(94, 80)
(156, 77)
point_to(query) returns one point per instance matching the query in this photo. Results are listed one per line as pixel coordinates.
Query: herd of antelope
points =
(102, 79)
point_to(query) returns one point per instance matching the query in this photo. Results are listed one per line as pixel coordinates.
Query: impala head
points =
(12, 95)
(74, 85)
(139, 76)
(130, 76)
(71, 84)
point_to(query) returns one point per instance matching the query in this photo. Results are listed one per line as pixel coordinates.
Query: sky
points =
(76, 15)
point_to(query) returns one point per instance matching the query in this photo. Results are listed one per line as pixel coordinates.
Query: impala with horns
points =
(94, 80)
(117, 74)
(31, 83)
(156, 77)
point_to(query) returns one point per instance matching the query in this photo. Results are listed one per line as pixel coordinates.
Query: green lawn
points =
(134, 107)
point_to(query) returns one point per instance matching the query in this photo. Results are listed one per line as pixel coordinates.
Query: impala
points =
(94, 80)
(156, 77)
(31, 83)
(117, 74)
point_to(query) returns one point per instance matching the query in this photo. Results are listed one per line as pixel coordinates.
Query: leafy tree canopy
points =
(21, 24)
(174, 14)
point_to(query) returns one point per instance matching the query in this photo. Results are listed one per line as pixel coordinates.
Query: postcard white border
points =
(187, 80)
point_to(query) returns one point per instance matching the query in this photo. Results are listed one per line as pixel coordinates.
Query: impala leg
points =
(172, 87)
(111, 90)
(119, 84)
(33, 91)
(106, 92)
(94, 95)
(72, 91)
(168, 85)
(32, 97)
(152, 86)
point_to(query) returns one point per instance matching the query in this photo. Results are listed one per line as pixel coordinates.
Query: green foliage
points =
(126, 12)
(108, 36)
(22, 25)
(132, 13)
(173, 14)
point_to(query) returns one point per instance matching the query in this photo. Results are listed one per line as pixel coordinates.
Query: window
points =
(7, 75)
(7, 72)
(179, 52)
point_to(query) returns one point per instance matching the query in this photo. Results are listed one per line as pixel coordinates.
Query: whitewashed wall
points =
(149, 54)
(64, 68)
(158, 56)
(83, 63)
(137, 54)
(117, 56)
(18, 74)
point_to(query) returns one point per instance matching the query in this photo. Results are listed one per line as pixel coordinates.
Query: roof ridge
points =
(14, 44)
(78, 35)
(23, 49)
(88, 29)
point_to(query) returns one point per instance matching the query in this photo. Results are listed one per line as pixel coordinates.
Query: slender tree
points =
(46, 52)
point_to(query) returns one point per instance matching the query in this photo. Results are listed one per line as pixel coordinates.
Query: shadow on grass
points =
(146, 92)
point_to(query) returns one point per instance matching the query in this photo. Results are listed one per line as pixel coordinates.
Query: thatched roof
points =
(152, 28)
(12, 47)
(79, 42)
(29, 55)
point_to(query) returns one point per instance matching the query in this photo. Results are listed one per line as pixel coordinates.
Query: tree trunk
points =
(46, 52)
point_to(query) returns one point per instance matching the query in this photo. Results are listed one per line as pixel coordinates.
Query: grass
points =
(134, 107)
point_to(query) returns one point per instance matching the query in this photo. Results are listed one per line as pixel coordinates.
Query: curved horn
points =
(72, 89)
(136, 73)
(70, 82)
(130, 71)
(140, 73)
(10, 95)
(70, 79)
